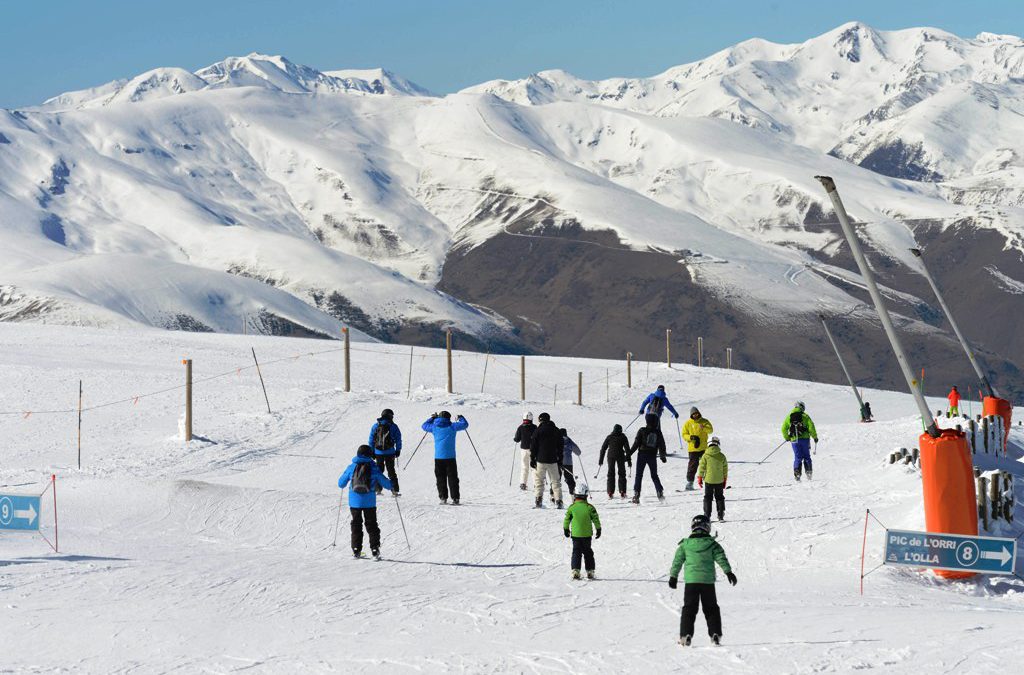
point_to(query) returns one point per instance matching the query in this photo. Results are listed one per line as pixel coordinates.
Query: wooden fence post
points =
(982, 505)
(188, 399)
(448, 347)
(728, 358)
(629, 370)
(348, 362)
(607, 385)
(579, 388)
(522, 378)
(700, 352)
(483, 380)
(408, 387)
(668, 347)
(79, 424)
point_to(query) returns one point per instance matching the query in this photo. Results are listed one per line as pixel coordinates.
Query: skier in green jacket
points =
(798, 428)
(712, 474)
(580, 521)
(698, 553)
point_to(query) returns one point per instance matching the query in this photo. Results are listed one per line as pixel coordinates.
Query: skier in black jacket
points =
(617, 447)
(524, 437)
(649, 446)
(546, 458)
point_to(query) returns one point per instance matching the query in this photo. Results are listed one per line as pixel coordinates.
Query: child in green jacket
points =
(698, 553)
(580, 521)
(712, 474)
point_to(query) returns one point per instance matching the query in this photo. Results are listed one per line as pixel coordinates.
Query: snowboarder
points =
(546, 449)
(524, 435)
(696, 431)
(865, 413)
(386, 441)
(366, 477)
(580, 522)
(617, 447)
(569, 448)
(698, 553)
(446, 469)
(712, 475)
(648, 445)
(954, 401)
(655, 404)
(798, 429)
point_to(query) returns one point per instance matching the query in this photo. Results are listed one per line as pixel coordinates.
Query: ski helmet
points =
(715, 441)
(387, 414)
(701, 523)
(564, 432)
(617, 429)
(582, 491)
(544, 417)
(528, 417)
(364, 451)
(801, 406)
(445, 414)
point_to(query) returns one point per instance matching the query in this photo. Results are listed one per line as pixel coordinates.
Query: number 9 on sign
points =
(967, 553)
(6, 511)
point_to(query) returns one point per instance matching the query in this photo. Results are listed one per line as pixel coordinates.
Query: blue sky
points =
(444, 45)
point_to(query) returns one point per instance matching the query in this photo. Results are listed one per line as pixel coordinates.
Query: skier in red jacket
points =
(954, 401)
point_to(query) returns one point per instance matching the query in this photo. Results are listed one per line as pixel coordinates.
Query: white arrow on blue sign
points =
(955, 552)
(19, 512)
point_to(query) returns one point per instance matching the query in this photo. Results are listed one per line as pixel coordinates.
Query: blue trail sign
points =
(19, 512)
(956, 552)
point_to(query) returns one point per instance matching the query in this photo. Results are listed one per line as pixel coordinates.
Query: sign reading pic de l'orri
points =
(19, 512)
(955, 552)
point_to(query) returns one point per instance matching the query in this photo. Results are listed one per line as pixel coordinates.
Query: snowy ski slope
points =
(215, 557)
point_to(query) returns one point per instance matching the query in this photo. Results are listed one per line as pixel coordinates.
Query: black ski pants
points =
(446, 471)
(369, 516)
(620, 466)
(649, 460)
(570, 479)
(582, 550)
(702, 595)
(387, 462)
(691, 468)
(716, 491)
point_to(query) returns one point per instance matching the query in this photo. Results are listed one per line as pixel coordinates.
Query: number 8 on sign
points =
(967, 553)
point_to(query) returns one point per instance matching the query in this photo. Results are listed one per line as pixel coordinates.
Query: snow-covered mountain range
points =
(548, 214)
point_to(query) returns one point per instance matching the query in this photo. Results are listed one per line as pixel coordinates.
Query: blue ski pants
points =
(801, 454)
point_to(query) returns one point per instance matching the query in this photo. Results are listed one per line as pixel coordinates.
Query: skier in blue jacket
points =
(365, 477)
(386, 441)
(446, 470)
(656, 402)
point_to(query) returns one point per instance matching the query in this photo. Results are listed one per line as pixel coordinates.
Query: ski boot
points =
(809, 472)
(375, 552)
(576, 574)
(622, 495)
(796, 474)
(591, 575)
(611, 495)
(558, 504)
(538, 503)
(636, 498)
(685, 640)
(455, 502)
(716, 639)
(689, 485)
(443, 500)
(397, 493)
(522, 486)
(721, 516)
(357, 553)
(380, 490)
(661, 496)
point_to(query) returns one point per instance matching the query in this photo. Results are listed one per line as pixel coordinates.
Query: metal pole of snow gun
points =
(402, 521)
(773, 452)
(475, 451)
(633, 422)
(337, 522)
(415, 450)
(512, 471)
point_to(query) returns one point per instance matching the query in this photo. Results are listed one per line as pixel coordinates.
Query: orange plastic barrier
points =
(991, 405)
(947, 475)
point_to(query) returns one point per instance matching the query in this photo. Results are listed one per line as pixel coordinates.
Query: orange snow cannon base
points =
(992, 405)
(947, 475)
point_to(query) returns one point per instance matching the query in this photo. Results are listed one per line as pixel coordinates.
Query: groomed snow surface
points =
(215, 556)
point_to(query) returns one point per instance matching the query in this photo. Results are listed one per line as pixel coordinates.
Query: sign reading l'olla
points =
(955, 552)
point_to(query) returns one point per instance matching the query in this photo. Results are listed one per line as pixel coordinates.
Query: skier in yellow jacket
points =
(695, 431)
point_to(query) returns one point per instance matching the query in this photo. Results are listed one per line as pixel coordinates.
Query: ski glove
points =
(398, 453)
(599, 533)
(700, 481)
(566, 530)
(731, 577)
(664, 460)
(676, 415)
(533, 464)
(695, 440)
(459, 417)
(672, 582)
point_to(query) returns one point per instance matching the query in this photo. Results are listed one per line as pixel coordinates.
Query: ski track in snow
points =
(216, 557)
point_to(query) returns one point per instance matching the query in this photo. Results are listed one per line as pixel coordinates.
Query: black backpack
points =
(797, 428)
(362, 478)
(651, 440)
(654, 407)
(382, 439)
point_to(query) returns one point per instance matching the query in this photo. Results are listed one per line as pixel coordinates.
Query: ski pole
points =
(414, 451)
(815, 447)
(633, 422)
(772, 452)
(598, 474)
(337, 522)
(513, 469)
(475, 451)
(402, 521)
(680, 433)
(583, 472)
